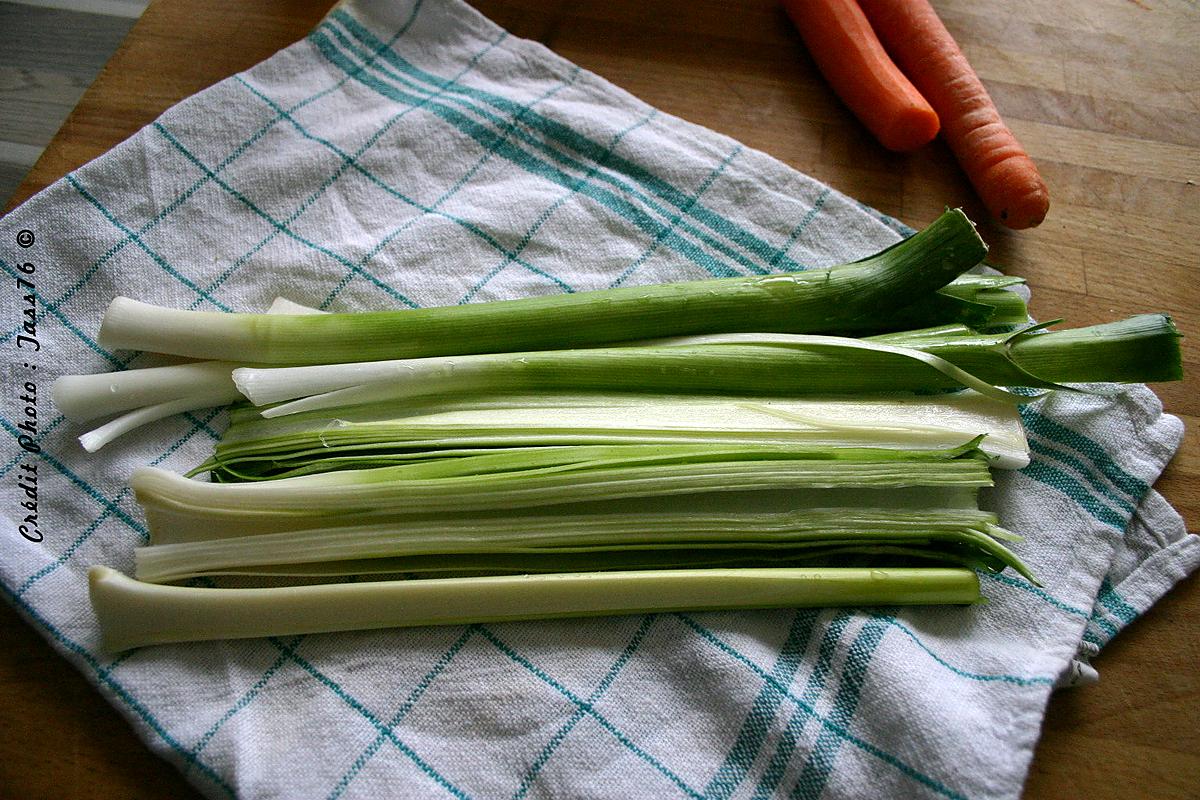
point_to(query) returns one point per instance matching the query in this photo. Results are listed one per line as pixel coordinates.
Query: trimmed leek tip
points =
(134, 614)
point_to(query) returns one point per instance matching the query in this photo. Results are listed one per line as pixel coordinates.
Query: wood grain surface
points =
(1105, 94)
(48, 59)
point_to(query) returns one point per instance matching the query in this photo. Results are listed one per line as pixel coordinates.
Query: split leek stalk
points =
(1141, 348)
(535, 476)
(750, 363)
(759, 527)
(879, 553)
(816, 301)
(133, 613)
(416, 429)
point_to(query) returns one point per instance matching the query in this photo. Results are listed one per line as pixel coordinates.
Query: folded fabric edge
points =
(1078, 426)
(1124, 598)
(1156, 550)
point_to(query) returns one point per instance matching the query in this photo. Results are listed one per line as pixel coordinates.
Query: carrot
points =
(1002, 173)
(853, 61)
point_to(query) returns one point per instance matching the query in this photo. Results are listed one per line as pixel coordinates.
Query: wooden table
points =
(1105, 94)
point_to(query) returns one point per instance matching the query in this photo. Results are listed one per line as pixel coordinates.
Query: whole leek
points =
(817, 301)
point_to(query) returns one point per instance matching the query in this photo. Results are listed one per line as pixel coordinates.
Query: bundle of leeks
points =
(817, 438)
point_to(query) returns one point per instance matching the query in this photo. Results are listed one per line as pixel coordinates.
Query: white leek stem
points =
(95, 439)
(86, 397)
(127, 323)
(399, 378)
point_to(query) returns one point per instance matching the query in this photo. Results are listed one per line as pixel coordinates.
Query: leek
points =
(879, 553)
(770, 364)
(86, 397)
(1141, 348)
(543, 502)
(178, 507)
(549, 501)
(805, 302)
(421, 428)
(753, 524)
(134, 614)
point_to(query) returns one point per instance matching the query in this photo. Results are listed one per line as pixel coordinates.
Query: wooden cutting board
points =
(1105, 94)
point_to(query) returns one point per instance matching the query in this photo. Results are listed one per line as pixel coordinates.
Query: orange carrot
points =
(853, 61)
(1002, 173)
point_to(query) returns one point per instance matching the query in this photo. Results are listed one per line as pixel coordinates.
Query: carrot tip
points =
(1014, 192)
(909, 129)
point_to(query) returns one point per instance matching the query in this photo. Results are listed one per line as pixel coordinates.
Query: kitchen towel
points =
(412, 154)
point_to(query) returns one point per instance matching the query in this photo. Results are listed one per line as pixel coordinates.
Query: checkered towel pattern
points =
(411, 154)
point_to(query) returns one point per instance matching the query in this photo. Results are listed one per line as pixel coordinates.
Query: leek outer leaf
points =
(172, 521)
(977, 301)
(1140, 349)
(133, 613)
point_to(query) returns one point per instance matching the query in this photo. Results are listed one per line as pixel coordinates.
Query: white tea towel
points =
(413, 154)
